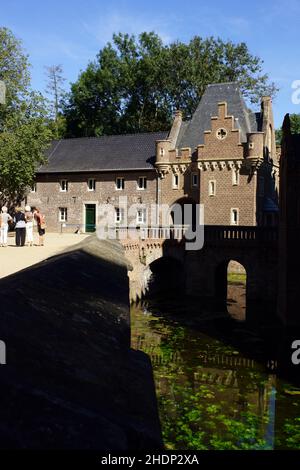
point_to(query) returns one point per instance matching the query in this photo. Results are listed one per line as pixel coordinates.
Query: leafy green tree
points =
(135, 85)
(24, 133)
(295, 127)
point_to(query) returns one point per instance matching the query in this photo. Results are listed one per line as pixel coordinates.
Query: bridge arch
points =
(164, 274)
(231, 278)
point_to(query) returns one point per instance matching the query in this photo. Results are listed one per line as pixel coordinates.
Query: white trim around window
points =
(141, 216)
(234, 216)
(33, 188)
(63, 214)
(175, 180)
(142, 183)
(63, 185)
(91, 184)
(212, 187)
(235, 177)
(119, 215)
(120, 183)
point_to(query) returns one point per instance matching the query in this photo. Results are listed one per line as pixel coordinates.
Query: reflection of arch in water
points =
(231, 288)
(165, 274)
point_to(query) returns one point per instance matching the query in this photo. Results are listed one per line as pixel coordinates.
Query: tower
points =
(289, 230)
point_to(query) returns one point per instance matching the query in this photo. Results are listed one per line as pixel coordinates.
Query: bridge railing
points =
(247, 234)
(173, 232)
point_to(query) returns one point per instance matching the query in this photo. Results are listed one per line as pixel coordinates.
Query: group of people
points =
(23, 221)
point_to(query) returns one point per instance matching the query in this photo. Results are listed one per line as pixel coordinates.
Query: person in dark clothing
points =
(20, 227)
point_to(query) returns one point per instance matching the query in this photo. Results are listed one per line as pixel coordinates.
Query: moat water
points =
(210, 395)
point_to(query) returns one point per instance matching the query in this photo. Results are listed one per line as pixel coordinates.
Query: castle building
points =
(224, 158)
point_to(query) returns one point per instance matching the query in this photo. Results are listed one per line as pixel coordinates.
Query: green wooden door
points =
(90, 217)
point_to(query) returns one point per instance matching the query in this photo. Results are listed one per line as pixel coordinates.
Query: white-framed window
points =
(175, 181)
(142, 183)
(141, 216)
(120, 184)
(234, 216)
(212, 185)
(33, 188)
(235, 177)
(63, 214)
(194, 180)
(119, 215)
(261, 186)
(91, 184)
(64, 185)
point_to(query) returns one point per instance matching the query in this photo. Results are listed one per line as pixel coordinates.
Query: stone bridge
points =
(203, 272)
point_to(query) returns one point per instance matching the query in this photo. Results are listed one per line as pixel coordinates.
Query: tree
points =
(56, 92)
(24, 134)
(135, 85)
(295, 127)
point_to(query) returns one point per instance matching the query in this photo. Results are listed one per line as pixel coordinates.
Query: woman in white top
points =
(4, 219)
(29, 225)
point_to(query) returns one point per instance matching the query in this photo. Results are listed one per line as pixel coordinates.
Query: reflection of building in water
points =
(188, 365)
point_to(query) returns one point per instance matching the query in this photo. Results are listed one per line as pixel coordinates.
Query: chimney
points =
(175, 128)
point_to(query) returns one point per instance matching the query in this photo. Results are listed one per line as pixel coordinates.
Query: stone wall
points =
(49, 198)
(71, 379)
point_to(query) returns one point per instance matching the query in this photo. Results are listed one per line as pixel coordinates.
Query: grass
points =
(236, 278)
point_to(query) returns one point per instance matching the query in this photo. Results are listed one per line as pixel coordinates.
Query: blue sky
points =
(71, 32)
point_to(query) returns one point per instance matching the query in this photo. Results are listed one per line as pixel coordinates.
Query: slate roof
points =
(191, 133)
(107, 153)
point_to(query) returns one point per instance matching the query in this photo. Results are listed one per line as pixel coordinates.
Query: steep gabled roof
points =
(192, 132)
(107, 153)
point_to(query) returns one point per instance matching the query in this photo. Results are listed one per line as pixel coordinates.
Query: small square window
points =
(64, 185)
(234, 217)
(33, 188)
(195, 180)
(120, 184)
(212, 188)
(141, 216)
(119, 215)
(91, 184)
(63, 214)
(142, 182)
(175, 181)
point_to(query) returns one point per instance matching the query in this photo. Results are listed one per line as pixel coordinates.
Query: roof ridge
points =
(111, 135)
